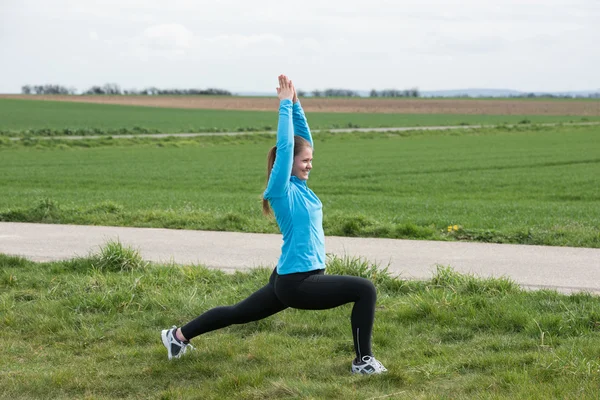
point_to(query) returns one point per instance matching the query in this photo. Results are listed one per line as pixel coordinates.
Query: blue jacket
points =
(298, 211)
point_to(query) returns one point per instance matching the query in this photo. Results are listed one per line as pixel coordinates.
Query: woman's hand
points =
(286, 90)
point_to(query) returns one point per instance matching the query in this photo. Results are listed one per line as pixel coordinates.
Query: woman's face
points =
(302, 163)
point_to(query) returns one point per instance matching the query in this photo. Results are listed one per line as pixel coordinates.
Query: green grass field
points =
(529, 184)
(58, 118)
(90, 329)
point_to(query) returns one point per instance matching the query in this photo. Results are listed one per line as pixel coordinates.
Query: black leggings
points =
(306, 290)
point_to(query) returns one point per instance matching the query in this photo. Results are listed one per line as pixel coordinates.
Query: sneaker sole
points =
(359, 372)
(366, 373)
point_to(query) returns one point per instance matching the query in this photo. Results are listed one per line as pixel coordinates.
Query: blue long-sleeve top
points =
(298, 210)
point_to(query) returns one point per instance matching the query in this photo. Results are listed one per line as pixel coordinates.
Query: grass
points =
(73, 330)
(47, 118)
(526, 184)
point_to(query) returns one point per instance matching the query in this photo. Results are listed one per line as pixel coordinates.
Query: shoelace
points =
(377, 365)
(184, 346)
(374, 363)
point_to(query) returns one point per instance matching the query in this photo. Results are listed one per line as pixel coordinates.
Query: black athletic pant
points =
(306, 290)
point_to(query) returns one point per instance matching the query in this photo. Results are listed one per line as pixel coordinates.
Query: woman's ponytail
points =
(270, 161)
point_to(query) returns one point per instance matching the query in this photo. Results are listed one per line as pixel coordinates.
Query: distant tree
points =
(95, 90)
(300, 93)
(316, 93)
(112, 89)
(393, 93)
(219, 92)
(339, 93)
(414, 92)
(151, 91)
(45, 89)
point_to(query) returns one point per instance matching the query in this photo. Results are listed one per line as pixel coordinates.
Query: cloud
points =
(245, 40)
(176, 40)
(167, 37)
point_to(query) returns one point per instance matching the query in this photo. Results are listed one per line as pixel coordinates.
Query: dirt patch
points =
(360, 105)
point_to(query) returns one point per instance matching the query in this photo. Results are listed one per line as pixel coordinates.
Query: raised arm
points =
(284, 159)
(300, 123)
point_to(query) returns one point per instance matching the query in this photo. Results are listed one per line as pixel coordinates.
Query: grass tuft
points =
(116, 258)
(361, 267)
(445, 277)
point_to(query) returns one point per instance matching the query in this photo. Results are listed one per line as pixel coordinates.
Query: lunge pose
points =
(299, 280)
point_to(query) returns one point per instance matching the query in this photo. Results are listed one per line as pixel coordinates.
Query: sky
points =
(242, 46)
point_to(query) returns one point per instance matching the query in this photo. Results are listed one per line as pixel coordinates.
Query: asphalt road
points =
(566, 269)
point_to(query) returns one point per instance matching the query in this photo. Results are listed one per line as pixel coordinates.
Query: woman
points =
(299, 280)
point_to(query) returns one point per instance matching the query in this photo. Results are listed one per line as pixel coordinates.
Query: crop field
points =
(526, 184)
(54, 118)
(572, 107)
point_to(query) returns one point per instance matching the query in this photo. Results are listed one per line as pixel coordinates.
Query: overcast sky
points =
(528, 45)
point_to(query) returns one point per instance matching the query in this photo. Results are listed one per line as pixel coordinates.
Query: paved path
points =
(566, 269)
(342, 130)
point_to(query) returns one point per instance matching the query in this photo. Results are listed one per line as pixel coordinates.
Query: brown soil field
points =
(348, 105)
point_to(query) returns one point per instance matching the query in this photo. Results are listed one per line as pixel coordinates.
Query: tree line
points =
(47, 89)
(114, 89)
(373, 93)
(414, 92)
(556, 96)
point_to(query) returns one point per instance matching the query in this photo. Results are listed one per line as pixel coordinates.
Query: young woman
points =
(299, 280)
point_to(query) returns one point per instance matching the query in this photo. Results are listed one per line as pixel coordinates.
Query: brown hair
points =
(299, 144)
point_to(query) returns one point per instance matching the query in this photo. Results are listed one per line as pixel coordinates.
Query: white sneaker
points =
(175, 347)
(368, 366)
